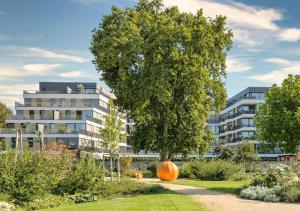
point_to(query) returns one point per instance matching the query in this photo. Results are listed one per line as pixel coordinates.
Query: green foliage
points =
(152, 167)
(225, 152)
(4, 113)
(148, 174)
(125, 164)
(129, 187)
(245, 152)
(83, 197)
(85, 176)
(111, 132)
(278, 119)
(167, 71)
(28, 175)
(48, 201)
(211, 170)
(271, 175)
(291, 192)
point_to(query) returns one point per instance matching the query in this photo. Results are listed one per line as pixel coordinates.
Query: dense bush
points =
(28, 175)
(148, 174)
(271, 175)
(125, 164)
(83, 197)
(211, 170)
(273, 182)
(48, 201)
(152, 167)
(85, 176)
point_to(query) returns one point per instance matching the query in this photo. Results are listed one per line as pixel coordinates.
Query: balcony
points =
(231, 116)
(50, 131)
(236, 127)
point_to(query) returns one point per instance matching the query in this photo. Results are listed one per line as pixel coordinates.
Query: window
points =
(38, 102)
(87, 114)
(63, 102)
(68, 114)
(52, 102)
(42, 114)
(73, 102)
(28, 101)
(31, 114)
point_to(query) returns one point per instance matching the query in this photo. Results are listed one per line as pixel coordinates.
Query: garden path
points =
(217, 201)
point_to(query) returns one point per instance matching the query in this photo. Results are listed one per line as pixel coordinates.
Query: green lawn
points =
(222, 186)
(165, 200)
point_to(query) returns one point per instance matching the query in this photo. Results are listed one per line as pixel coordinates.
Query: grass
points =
(165, 200)
(222, 186)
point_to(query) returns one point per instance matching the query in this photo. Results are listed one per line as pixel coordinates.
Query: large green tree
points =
(278, 120)
(4, 113)
(167, 71)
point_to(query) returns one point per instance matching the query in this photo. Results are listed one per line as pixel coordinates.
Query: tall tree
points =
(167, 70)
(278, 120)
(4, 113)
(111, 134)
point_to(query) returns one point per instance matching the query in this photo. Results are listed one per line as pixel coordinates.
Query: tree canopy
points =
(4, 113)
(166, 69)
(278, 119)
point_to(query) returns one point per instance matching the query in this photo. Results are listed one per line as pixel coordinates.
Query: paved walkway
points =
(216, 201)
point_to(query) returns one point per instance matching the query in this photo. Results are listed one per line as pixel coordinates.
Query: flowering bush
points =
(271, 175)
(273, 182)
(4, 206)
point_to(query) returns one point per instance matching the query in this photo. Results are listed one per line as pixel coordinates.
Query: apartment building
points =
(70, 113)
(235, 121)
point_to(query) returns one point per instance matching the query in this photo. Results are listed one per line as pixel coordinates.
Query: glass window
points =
(63, 102)
(87, 114)
(73, 102)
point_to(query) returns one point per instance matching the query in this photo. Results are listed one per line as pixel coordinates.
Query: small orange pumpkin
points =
(167, 171)
(138, 175)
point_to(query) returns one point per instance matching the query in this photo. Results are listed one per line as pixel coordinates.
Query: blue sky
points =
(49, 40)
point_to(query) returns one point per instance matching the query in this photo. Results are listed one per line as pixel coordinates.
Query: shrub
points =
(152, 167)
(126, 187)
(271, 175)
(85, 176)
(83, 197)
(129, 172)
(48, 201)
(211, 170)
(260, 193)
(291, 192)
(185, 171)
(125, 164)
(28, 176)
(4, 206)
(148, 174)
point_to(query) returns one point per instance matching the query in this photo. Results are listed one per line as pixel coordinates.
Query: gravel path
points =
(217, 201)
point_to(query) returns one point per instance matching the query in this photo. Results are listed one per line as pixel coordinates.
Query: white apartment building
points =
(235, 122)
(71, 113)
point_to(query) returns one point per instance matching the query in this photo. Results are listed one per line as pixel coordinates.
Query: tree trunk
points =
(111, 167)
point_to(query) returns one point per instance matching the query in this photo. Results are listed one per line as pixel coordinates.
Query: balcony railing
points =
(242, 98)
(235, 127)
(50, 131)
(99, 121)
(231, 116)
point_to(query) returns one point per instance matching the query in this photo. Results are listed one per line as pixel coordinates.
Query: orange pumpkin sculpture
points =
(167, 171)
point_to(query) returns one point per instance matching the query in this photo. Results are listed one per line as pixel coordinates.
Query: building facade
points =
(71, 114)
(235, 121)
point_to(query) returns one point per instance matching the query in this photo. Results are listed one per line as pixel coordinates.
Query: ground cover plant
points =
(273, 182)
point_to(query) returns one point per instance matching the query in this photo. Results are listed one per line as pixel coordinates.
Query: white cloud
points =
(40, 68)
(10, 93)
(278, 61)
(78, 74)
(237, 65)
(290, 35)
(42, 53)
(238, 14)
(26, 70)
(277, 76)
